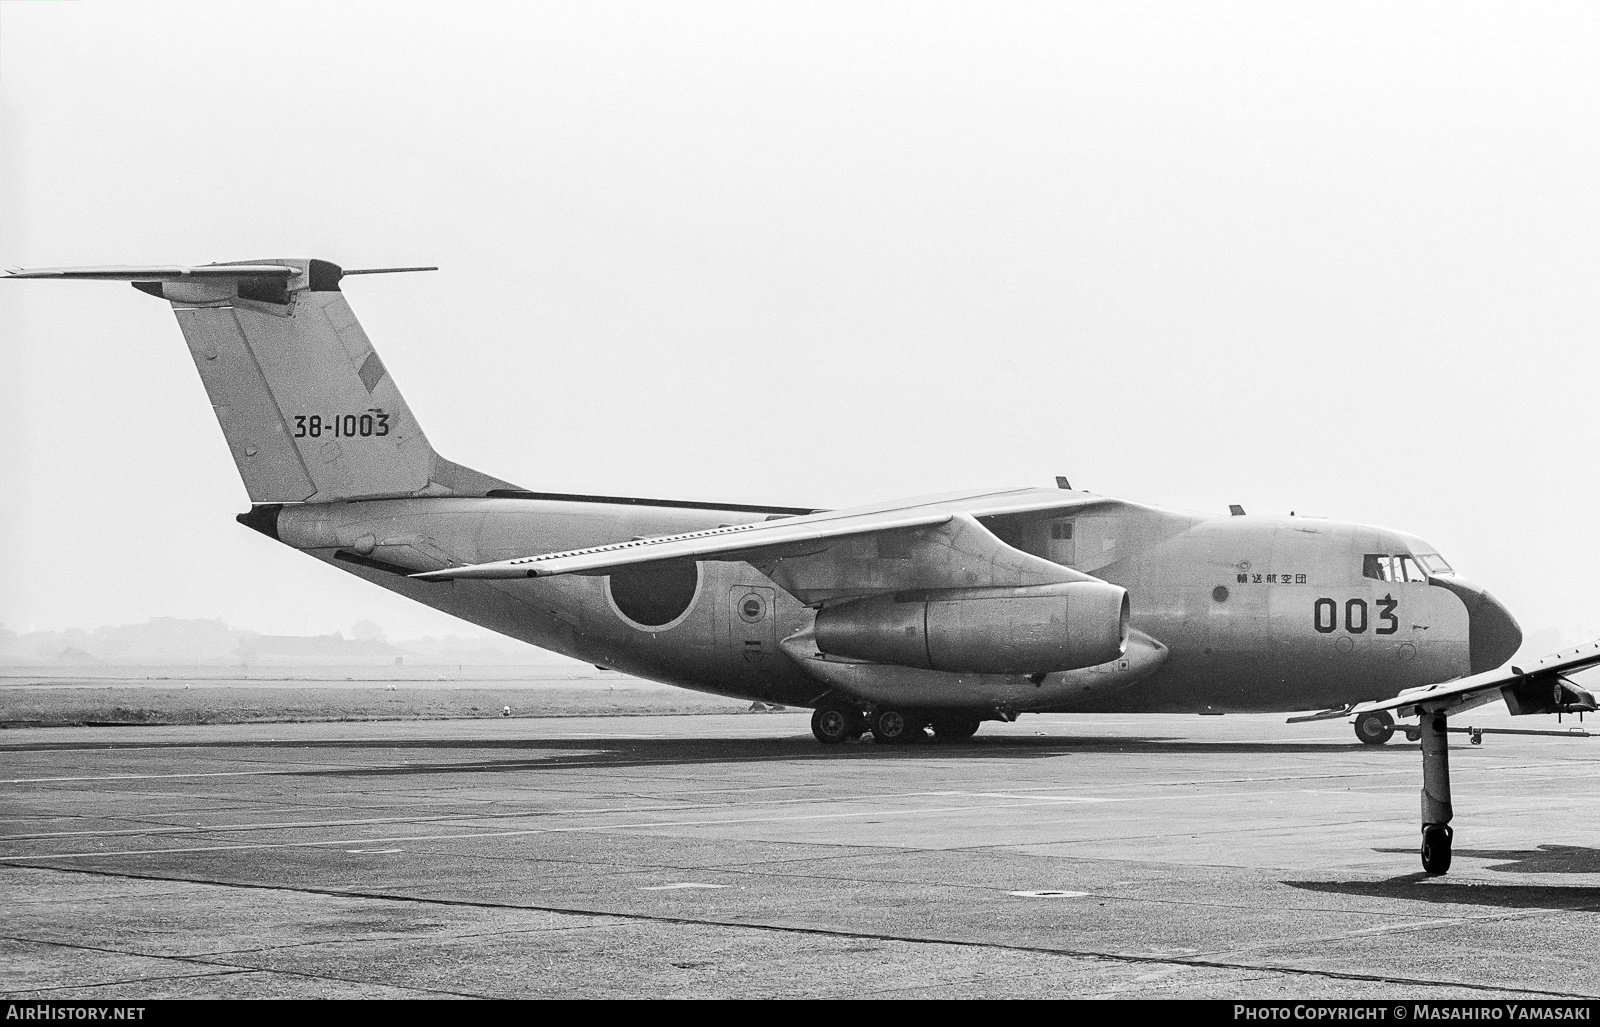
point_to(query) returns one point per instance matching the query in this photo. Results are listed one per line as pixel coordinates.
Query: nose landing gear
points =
(1375, 728)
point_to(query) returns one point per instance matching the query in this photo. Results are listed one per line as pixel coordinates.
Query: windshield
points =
(1433, 563)
(1383, 567)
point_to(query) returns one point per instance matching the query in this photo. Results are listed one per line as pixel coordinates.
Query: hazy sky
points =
(1341, 259)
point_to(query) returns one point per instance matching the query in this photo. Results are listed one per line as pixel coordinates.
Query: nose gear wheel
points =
(1375, 728)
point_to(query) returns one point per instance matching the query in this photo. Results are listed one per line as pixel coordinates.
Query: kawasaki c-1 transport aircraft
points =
(934, 613)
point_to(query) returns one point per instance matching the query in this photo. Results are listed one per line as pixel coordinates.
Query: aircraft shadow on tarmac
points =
(1421, 887)
(531, 754)
(764, 748)
(1546, 859)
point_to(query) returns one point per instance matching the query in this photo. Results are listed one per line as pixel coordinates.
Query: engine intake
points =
(1036, 629)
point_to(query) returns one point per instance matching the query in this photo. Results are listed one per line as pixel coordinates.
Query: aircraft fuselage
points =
(1237, 613)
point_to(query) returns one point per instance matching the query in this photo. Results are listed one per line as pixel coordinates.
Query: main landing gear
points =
(897, 727)
(1375, 728)
(955, 727)
(900, 727)
(834, 723)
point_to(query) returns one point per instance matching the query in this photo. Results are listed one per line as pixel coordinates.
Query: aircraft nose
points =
(1493, 636)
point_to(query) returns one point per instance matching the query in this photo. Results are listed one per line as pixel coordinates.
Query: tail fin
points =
(308, 409)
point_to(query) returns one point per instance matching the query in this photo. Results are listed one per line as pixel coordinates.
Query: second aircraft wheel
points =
(895, 727)
(1375, 728)
(955, 727)
(1436, 848)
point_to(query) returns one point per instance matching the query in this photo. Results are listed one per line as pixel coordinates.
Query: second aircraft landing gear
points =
(1375, 728)
(1436, 848)
(1436, 808)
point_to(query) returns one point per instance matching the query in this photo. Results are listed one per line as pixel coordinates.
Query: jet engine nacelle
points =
(1036, 629)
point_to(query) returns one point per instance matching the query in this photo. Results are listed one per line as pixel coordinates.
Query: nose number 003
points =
(1325, 616)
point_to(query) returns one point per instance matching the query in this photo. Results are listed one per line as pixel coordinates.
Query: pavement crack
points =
(219, 972)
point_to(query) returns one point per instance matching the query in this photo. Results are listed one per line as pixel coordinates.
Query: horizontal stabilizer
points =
(158, 273)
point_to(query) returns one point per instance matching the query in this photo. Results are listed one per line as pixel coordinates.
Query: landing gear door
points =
(753, 622)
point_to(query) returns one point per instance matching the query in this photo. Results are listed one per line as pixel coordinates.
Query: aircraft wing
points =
(733, 542)
(1542, 688)
(934, 543)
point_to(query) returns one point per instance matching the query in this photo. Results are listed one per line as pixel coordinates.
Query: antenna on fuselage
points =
(1235, 509)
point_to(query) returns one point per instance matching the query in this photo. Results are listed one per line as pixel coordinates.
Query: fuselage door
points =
(1059, 547)
(753, 622)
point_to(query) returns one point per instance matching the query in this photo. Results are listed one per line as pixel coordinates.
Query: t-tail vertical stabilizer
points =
(310, 413)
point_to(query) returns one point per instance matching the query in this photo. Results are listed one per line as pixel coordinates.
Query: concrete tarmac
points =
(704, 856)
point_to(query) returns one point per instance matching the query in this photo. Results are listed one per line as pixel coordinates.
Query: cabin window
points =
(1061, 530)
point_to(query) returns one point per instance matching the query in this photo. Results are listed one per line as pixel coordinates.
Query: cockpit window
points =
(1383, 567)
(1433, 563)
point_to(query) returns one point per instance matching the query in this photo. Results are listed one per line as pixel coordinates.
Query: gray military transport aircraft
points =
(935, 613)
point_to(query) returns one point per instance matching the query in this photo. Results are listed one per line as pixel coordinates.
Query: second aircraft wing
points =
(1542, 688)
